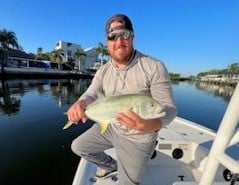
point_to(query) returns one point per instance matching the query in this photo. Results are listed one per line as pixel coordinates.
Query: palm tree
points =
(103, 51)
(57, 56)
(39, 53)
(42, 56)
(39, 50)
(78, 56)
(8, 40)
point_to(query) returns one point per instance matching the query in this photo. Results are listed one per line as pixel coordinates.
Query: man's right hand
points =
(77, 112)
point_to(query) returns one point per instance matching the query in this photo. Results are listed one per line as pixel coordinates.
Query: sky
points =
(189, 36)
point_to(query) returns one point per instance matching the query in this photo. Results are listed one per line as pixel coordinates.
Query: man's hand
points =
(131, 120)
(77, 112)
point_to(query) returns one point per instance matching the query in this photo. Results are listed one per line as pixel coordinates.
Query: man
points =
(133, 138)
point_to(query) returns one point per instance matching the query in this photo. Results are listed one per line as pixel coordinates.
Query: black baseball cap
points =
(126, 23)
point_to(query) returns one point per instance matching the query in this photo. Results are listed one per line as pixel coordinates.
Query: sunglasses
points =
(122, 35)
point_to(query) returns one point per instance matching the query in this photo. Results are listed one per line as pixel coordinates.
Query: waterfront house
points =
(87, 62)
(21, 62)
(224, 78)
(19, 58)
(211, 78)
(230, 77)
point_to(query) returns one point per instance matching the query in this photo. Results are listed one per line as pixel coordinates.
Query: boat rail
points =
(227, 135)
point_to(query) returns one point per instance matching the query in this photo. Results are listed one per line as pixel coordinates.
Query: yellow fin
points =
(103, 127)
(68, 124)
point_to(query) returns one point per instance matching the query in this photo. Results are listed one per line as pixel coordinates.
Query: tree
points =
(78, 56)
(103, 51)
(39, 50)
(233, 68)
(57, 56)
(8, 40)
(42, 56)
(39, 53)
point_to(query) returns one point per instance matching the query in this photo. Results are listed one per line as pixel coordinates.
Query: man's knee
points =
(74, 147)
(77, 147)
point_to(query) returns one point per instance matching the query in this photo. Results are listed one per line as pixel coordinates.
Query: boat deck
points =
(193, 140)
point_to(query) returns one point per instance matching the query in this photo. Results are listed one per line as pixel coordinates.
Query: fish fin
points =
(103, 127)
(68, 124)
(160, 115)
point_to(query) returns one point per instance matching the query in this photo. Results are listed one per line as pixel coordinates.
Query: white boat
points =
(186, 154)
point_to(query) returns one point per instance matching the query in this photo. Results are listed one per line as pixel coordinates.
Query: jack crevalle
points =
(104, 110)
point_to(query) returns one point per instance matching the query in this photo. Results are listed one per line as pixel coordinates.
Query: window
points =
(69, 44)
(69, 53)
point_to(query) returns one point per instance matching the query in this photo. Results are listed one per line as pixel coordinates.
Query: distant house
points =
(70, 48)
(224, 77)
(230, 77)
(91, 58)
(19, 58)
(211, 77)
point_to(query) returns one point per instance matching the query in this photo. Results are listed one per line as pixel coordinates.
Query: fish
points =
(104, 110)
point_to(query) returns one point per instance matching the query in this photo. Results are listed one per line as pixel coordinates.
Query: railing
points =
(227, 136)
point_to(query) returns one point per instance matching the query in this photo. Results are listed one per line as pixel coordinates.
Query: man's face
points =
(120, 43)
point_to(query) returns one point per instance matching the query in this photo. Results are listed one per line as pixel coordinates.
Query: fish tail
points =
(68, 124)
(103, 127)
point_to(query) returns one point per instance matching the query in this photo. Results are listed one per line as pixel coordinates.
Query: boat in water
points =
(186, 154)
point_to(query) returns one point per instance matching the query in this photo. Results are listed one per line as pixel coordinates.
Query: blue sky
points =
(189, 36)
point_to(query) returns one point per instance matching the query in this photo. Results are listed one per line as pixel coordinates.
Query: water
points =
(35, 149)
(202, 103)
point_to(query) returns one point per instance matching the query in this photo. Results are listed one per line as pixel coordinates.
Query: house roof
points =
(20, 54)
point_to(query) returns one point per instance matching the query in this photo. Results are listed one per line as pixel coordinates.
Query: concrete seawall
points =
(41, 73)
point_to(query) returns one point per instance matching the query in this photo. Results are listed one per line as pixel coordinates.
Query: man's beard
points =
(123, 59)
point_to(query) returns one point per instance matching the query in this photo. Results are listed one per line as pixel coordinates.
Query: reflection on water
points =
(222, 91)
(201, 103)
(34, 147)
(67, 91)
(63, 91)
(9, 104)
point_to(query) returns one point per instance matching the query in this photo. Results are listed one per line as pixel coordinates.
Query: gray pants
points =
(132, 151)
